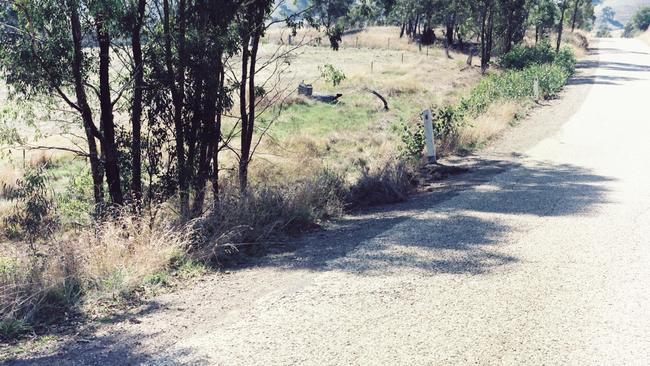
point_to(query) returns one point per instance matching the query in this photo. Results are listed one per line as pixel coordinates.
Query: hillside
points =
(624, 9)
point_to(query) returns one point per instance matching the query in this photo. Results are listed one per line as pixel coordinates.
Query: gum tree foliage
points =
(164, 67)
(331, 14)
(641, 18)
(544, 15)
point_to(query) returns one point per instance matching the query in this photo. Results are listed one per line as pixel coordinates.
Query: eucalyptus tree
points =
(563, 4)
(42, 53)
(514, 14)
(544, 15)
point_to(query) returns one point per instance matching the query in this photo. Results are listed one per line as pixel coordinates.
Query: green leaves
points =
(331, 74)
(32, 218)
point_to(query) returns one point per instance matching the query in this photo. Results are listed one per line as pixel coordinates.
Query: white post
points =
(427, 119)
(536, 89)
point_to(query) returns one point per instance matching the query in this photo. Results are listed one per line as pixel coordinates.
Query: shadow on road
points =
(600, 80)
(112, 349)
(446, 232)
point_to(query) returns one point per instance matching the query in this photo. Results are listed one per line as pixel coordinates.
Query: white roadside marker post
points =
(427, 119)
(536, 89)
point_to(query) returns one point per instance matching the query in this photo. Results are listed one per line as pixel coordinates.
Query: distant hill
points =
(624, 9)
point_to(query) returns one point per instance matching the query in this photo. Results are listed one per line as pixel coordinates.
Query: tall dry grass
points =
(488, 125)
(105, 261)
(645, 37)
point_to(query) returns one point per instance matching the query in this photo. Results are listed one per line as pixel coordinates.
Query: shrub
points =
(75, 204)
(388, 184)
(33, 216)
(331, 74)
(566, 59)
(446, 121)
(413, 140)
(522, 56)
(519, 84)
(603, 32)
(642, 18)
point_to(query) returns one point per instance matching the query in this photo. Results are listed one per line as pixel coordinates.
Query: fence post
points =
(536, 88)
(427, 119)
(372, 66)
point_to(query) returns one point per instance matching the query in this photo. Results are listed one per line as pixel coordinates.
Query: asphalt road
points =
(540, 256)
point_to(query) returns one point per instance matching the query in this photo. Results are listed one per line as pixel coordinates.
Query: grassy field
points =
(357, 129)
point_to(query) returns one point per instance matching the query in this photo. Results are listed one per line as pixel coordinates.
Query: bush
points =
(642, 18)
(522, 56)
(413, 141)
(566, 59)
(603, 32)
(33, 216)
(389, 184)
(516, 84)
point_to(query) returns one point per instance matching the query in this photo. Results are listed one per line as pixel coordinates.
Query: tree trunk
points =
(487, 26)
(206, 141)
(217, 137)
(575, 14)
(107, 125)
(449, 33)
(136, 105)
(561, 26)
(86, 113)
(176, 79)
(245, 122)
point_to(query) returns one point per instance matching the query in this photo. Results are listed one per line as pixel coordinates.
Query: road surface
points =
(539, 256)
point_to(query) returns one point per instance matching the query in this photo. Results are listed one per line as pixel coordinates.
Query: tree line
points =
(495, 25)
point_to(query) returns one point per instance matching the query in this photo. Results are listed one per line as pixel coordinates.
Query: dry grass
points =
(490, 124)
(119, 254)
(402, 63)
(8, 178)
(103, 262)
(578, 41)
(645, 37)
(380, 38)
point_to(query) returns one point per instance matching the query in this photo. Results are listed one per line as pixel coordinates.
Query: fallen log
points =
(383, 100)
(327, 98)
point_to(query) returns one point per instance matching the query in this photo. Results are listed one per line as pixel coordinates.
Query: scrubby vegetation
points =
(184, 141)
(529, 72)
(640, 23)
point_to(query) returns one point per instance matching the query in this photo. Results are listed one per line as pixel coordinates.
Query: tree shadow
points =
(606, 50)
(445, 232)
(108, 350)
(85, 347)
(600, 80)
(616, 66)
